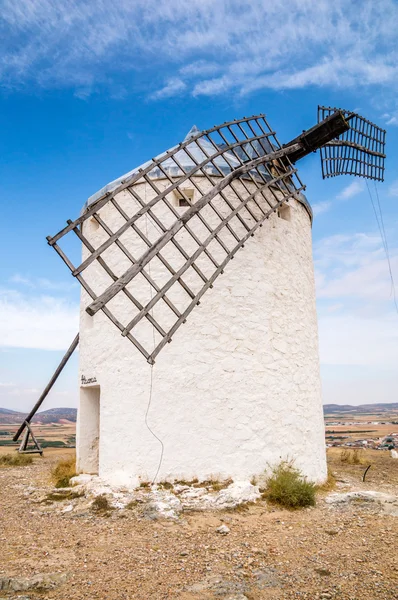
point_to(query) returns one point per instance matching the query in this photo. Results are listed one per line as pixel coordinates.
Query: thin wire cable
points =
(382, 231)
(151, 375)
(385, 243)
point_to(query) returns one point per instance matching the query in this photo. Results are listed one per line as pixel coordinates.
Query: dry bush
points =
(15, 460)
(101, 504)
(352, 457)
(63, 472)
(287, 487)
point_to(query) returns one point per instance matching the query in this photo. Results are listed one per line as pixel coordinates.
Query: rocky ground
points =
(345, 550)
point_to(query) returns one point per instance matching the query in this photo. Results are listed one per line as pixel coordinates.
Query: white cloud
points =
(42, 322)
(173, 87)
(351, 190)
(41, 283)
(227, 45)
(358, 324)
(393, 189)
(320, 207)
(391, 119)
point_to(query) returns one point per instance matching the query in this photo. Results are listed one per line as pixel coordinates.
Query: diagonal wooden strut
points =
(24, 447)
(48, 387)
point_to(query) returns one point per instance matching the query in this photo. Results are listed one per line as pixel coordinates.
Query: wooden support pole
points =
(48, 387)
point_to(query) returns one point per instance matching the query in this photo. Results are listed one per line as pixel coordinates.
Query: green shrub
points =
(63, 472)
(287, 487)
(15, 460)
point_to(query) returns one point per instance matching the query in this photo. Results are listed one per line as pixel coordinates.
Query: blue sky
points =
(89, 90)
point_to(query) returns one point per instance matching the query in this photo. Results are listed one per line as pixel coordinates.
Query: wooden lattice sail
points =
(358, 151)
(238, 173)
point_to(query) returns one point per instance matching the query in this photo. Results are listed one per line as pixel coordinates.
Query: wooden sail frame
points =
(360, 150)
(248, 176)
(265, 182)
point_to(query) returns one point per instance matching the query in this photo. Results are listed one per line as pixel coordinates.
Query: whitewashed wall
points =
(238, 388)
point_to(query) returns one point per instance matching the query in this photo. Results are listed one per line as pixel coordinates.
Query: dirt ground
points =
(349, 553)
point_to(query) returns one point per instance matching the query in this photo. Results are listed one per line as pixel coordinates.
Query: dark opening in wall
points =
(284, 212)
(184, 197)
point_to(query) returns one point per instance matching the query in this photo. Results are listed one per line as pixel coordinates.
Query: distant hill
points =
(52, 415)
(330, 409)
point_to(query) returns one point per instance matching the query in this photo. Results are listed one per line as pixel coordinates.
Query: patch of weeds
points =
(101, 504)
(220, 485)
(329, 484)
(253, 480)
(15, 460)
(352, 457)
(145, 484)
(132, 504)
(59, 496)
(166, 485)
(287, 487)
(63, 472)
(190, 483)
(215, 484)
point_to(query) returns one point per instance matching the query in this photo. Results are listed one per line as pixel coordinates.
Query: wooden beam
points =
(319, 135)
(48, 387)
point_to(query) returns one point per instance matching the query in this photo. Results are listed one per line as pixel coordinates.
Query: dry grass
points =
(15, 460)
(329, 484)
(63, 472)
(101, 504)
(287, 487)
(352, 457)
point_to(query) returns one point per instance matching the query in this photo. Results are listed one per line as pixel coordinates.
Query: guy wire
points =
(382, 231)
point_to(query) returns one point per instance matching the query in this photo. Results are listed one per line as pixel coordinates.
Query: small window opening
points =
(94, 224)
(284, 212)
(185, 197)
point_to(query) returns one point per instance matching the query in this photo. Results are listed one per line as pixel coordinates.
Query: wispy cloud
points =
(393, 189)
(172, 88)
(318, 208)
(41, 283)
(201, 46)
(390, 118)
(358, 323)
(42, 322)
(351, 190)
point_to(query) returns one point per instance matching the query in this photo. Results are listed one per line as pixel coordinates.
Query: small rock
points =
(184, 553)
(223, 530)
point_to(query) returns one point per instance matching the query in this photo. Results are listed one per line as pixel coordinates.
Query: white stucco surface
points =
(238, 388)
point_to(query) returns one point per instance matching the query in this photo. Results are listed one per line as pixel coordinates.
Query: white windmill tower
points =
(238, 387)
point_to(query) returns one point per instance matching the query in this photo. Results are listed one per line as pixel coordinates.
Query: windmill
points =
(157, 239)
